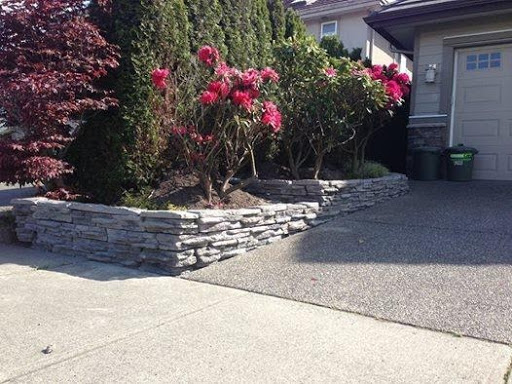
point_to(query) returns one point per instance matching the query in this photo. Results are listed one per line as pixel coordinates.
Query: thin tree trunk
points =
(293, 165)
(318, 165)
(206, 184)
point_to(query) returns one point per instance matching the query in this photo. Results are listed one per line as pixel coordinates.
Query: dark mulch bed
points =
(182, 190)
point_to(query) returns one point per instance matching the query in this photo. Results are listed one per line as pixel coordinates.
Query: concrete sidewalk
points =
(105, 323)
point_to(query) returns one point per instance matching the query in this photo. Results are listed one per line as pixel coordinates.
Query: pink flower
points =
(208, 55)
(402, 78)
(179, 130)
(254, 93)
(221, 88)
(376, 73)
(208, 97)
(251, 78)
(268, 74)
(242, 98)
(271, 116)
(159, 77)
(393, 67)
(330, 72)
(394, 91)
(223, 70)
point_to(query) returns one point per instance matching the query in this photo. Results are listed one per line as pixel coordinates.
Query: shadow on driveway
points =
(440, 257)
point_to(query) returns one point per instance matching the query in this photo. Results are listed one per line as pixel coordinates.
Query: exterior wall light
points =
(430, 75)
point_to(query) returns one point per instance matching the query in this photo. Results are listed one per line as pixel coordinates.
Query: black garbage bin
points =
(459, 162)
(426, 163)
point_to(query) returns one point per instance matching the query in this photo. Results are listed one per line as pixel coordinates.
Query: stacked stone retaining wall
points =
(177, 241)
(334, 196)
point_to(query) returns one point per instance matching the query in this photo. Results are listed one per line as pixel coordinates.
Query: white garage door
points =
(483, 108)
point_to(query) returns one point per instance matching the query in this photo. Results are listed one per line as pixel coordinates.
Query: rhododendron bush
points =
(396, 86)
(331, 103)
(50, 59)
(226, 122)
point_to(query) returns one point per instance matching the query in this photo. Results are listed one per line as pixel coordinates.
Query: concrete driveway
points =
(70, 320)
(439, 258)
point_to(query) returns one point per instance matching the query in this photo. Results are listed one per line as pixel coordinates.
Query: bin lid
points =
(425, 149)
(461, 148)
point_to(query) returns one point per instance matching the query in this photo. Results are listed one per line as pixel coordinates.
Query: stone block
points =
(224, 226)
(181, 215)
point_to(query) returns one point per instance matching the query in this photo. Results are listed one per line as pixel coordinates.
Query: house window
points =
(483, 61)
(329, 29)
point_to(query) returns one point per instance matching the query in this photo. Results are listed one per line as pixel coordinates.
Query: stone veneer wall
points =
(430, 135)
(334, 196)
(170, 241)
(7, 234)
(177, 241)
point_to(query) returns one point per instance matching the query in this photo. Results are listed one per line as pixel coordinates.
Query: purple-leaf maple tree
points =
(51, 58)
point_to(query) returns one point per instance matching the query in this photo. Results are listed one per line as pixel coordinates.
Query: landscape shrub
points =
(299, 61)
(335, 48)
(226, 122)
(327, 103)
(134, 142)
(397, 86)
(51, 58)
(368, 170)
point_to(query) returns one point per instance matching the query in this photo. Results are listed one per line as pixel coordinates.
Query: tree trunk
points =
(318, 165)
(355, 160)
(225, 184)
(293, 165)
(206, 184)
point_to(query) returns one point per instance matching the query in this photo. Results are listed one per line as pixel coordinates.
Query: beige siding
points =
(352, 30)
(427, 96)
(381, 53)
(355, 33)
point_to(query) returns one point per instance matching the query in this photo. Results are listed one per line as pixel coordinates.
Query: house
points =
(344, 18)
(462, 88)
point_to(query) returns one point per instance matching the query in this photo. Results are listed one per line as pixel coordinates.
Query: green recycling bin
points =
(459, 162)
(426, 163)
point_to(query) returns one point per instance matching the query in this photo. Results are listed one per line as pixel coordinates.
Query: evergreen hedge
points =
(126, 150)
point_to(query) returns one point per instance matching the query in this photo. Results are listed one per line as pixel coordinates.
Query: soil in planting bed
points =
(182, 190)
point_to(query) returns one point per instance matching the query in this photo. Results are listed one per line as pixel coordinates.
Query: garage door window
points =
(483, 61)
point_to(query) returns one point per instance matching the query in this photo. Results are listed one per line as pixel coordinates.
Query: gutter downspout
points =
(372, 44)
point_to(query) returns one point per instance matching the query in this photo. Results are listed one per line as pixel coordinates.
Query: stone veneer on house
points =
(176, 241)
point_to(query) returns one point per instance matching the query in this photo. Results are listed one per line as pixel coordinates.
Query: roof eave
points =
(329, 10)
(436, 11)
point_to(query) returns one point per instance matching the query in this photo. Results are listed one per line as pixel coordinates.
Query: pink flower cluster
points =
(330, 72)
(159, 77)
(271, 116)
(191, 132)
(208, 55)
(241, 88)
(397, 84)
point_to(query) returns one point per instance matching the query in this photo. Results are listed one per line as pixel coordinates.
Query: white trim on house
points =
(427, 116)
(478, 34)
(335, 33)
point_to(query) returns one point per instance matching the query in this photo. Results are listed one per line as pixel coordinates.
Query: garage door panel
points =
(483, 108)
(486, 162)
(483, 94)
(480, 128)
